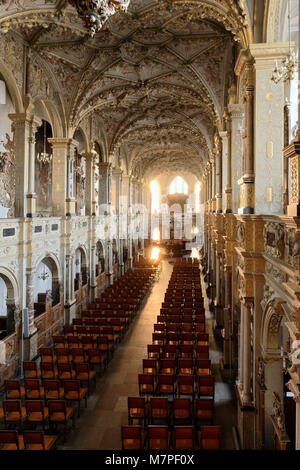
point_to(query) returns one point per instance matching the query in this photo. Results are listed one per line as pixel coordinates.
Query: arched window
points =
(178, 186)
(197, 196)
(155, 197)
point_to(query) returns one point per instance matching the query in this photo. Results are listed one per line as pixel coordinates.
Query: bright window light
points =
(155, 197)
(197, 196)
(178, 186)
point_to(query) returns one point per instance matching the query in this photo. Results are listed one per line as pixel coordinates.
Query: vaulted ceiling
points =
(155, 78)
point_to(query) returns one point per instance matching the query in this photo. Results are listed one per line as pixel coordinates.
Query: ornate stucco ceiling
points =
(156, 78)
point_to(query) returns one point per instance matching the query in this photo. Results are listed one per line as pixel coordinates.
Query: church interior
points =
(149, 225)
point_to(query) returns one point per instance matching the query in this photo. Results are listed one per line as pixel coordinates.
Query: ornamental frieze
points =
(274, 239)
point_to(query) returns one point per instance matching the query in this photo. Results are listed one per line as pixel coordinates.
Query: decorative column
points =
(105, 183)
(30, 342)
(59, 174)
(93, 283)
(218, 189)
(269, 129)
(109, 263)
(24, 126)
(118, 178)
(90, 202)
(70, 199)
(236, 113)
(247, 372)
(31, 194)
(226, 168)
(241, 351)
(213, 182)
(70, 301)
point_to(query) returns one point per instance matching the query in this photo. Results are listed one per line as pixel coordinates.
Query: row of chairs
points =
(181, 438)
(179, 409)
(173, 351)
(50, 389)
(29, 440)
(180, 366)
(34, 413)
(167, 384)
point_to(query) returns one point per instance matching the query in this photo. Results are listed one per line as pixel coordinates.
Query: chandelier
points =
(44, 275)
(44, 157)
(289, 65)
(95, 13)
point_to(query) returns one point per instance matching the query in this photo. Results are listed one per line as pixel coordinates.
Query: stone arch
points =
(12, 87)
(53, 290)
(100, 257)
(12, 313)
(273, 315)
(80, 266)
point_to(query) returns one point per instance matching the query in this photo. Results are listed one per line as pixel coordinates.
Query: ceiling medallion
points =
(95, 13)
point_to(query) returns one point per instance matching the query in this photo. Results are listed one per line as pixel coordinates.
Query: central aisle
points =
(99, 426)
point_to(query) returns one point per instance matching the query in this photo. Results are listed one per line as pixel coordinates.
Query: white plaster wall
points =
(40, 286)
(3, 295)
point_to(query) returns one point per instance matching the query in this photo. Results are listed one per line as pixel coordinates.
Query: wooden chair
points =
(31, 370)
(206, 386)
(167, 366)
(137, 409)
(173, 338)
(60, 413)
(184, 437)
(84, 373)
(153, 351)
(53, 390)
(147, 384)
(10, 440)
(78, 355)
(73, 392)
(186, 351)
(186, 385)
(105, 346)
(48, 370)
(203, 367)
(169, 351)
(150, 366)
(69, 330)
(159, 409)
(185, 366)
(13, 413)
(73, 342)
(210, 437)
(204, 410)
(47, 355)
(132, 438)
(88, 342)
(37, 440)
(202, 339)
(59, 341)
(187, 338)
(182, 409)
(14, 390)
(33, 390)
(62, 355)
(166, 384)
(65, 371)
(158, 437)
(202, 352)
(97, 358)
(36, 413)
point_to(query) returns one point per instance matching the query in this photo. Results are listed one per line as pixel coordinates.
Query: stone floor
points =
(99, 426)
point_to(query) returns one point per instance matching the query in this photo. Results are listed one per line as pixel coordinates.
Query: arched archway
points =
(273, 374)
(43, 169)
(80, 268)
(9, 307)
(47, 289)
(100, 258)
